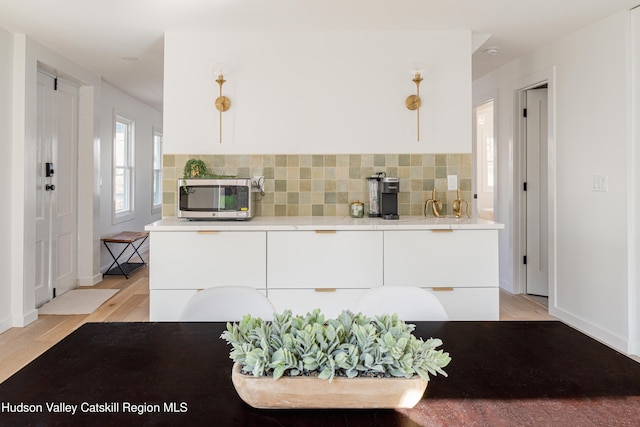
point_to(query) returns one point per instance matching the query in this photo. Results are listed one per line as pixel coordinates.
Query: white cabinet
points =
(322, 269)
(185, 262)
(202, 259)
(324, 259)
(465, 258)
(303, 268)
(459, 266)
(469, 303)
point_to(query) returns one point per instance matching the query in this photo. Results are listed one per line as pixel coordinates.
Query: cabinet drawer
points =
(458, 258)
(302, 301)
(469, 303)
(335, 259)
(167, 305)
(188, 260)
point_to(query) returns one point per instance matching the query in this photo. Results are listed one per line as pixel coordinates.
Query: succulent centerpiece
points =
(292, 356)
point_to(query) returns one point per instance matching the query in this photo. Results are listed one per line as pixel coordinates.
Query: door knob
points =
(49, 187)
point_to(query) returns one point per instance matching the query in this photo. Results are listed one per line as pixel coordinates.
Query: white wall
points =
(115, 102)
(317, 92)
(589, 95)
(6, 83)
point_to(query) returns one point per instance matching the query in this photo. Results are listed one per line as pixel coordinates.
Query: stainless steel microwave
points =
(223, 198)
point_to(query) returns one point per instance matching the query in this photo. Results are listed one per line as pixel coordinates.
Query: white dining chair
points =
(411, 303)
(227, 304)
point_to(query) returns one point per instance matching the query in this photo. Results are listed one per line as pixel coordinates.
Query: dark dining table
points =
(501, 373)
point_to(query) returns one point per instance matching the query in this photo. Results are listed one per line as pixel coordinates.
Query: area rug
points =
(77, 301)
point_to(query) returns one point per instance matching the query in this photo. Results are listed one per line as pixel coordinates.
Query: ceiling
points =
(122, 40)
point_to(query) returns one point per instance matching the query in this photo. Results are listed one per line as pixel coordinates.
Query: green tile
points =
(281, 160)
(305, 185)
(168, 160)
(379, 160)
(427, 185)
(293, 160)
(281, 185)
(317, 210)
(441, 160)
(330, 198)
(293, 198)
(330, 160)
(355, 160)
(269, 173)
(404, 160)
(355, 172)
(305, 173)
(317, 160)
(280, 210)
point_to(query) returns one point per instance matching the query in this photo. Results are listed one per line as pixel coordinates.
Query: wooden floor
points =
(18, 346)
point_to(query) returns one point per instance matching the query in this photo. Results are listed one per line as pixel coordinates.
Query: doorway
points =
(484, 160)
(536, 187)
(56, 187)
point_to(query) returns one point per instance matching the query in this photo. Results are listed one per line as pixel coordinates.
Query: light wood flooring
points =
(19, 346)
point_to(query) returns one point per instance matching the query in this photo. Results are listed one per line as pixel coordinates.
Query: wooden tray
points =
(310, 392)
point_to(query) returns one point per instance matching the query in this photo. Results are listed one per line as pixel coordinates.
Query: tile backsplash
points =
(325, 184)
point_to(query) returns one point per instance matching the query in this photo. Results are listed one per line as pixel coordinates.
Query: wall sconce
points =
(413, 102)
(222, 102)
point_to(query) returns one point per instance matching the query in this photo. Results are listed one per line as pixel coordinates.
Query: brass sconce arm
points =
(413, 102)
(222, 103)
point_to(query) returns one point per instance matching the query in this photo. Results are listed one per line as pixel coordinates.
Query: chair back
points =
(411, 303)
(227, 304)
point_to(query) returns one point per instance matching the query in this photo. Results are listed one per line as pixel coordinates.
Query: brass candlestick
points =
(436, 205)
(457, 206)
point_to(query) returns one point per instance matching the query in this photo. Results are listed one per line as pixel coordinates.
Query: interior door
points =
(56, 217)
(537, 245)
(44, 136)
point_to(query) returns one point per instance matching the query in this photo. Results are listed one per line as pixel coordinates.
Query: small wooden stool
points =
(129, 238)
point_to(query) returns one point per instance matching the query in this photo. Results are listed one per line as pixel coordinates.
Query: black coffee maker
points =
(388, 197)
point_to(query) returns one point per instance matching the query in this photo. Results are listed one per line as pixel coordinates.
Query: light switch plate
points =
(600, 183)
(452, 182)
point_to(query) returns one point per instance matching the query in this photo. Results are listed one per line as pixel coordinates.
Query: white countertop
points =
(291, 223)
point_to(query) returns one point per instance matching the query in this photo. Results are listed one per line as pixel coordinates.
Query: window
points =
(123, 172)
(486, 146)
(157, 171)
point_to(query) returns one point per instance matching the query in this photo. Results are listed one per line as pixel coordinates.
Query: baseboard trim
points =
(89, 281)
(25, 319)
(617, 342)
(5, 325)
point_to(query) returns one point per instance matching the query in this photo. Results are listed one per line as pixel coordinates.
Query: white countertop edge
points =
(291, 223)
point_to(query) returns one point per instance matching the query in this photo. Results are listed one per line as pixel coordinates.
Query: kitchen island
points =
(304, 263)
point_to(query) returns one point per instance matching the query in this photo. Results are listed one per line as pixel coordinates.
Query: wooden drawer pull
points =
(441, 230)
(442, 289)
(207, 232)
(325, 231)
(325, 289)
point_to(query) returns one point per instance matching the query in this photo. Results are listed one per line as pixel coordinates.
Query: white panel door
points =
(537, 165)
(64, 206)
(56, 187)
(44, 136)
